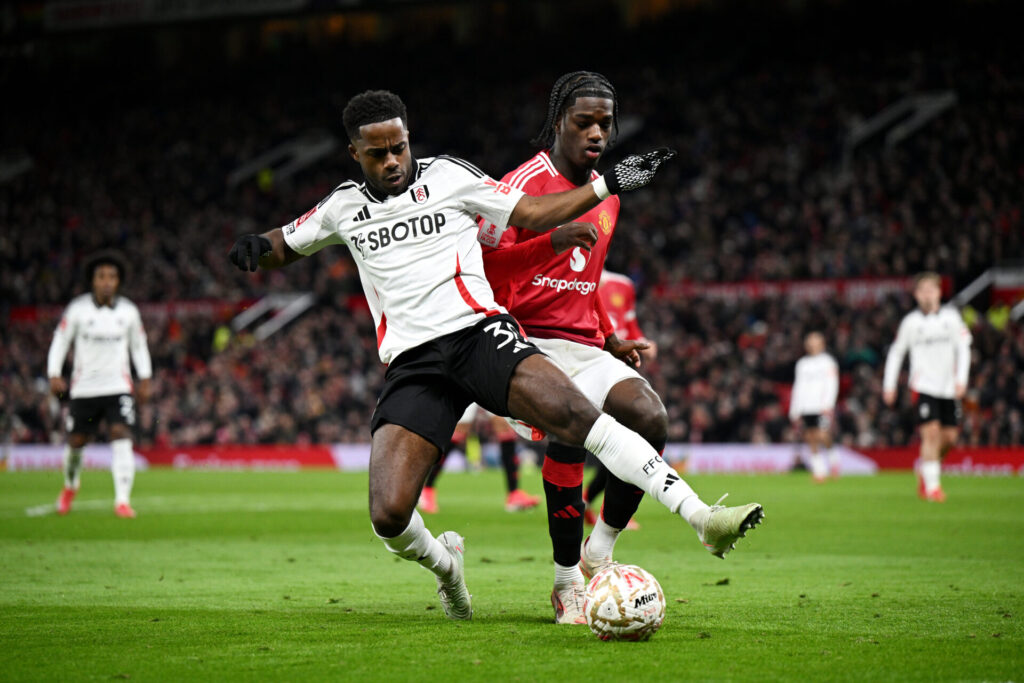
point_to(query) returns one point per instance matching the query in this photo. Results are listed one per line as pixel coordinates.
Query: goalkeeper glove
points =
(632, 173)
(247, 251)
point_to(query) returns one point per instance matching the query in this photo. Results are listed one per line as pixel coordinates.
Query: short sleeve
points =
(315, 229)
(486, 197)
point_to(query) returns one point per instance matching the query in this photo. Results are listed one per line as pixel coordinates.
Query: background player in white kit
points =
(940, 362)
(104, 328)
(813, 403)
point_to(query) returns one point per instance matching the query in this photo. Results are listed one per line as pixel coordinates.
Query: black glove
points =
(247, 251)
(636, 170)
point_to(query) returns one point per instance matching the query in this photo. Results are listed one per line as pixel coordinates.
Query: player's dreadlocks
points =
(372, 106)
(106, 257)
(564, 93)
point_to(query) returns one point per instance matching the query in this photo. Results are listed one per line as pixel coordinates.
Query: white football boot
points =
(723, 526)
(455, 597)
(591, 565)
(568, 604)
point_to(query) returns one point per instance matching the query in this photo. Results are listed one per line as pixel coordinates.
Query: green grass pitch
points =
(271, 576)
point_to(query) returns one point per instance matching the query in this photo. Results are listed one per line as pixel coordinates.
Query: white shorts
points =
(592, 370)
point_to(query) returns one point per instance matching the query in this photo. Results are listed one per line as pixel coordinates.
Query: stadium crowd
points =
(758, 194)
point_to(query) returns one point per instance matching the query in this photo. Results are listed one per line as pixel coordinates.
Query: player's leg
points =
(540, 393)
(813, 439)
(633, 403)
(830, 447)
(516, 499)
(399, 462)
(563, 490)
(597, 485)
(930, 467)
(72, 468)
(120, 416)
(81, 424)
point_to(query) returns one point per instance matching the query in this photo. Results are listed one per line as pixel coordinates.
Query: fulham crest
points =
(419, 194)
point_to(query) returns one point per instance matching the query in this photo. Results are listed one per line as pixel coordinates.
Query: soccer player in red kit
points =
(554, 297)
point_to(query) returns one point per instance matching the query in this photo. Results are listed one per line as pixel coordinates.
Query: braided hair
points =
(564, 94)
(372, 106)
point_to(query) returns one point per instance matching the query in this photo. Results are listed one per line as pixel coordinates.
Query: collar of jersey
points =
(380, 197)
(97, 304)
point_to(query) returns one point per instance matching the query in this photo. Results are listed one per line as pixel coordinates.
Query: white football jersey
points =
(940, 352)
(419, 260)
(816, 386)
(103, 336)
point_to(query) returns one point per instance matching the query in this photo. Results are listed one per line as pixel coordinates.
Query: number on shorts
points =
(503, 329)
(128, 410)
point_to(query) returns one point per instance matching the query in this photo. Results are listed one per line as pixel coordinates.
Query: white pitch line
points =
(192, 505)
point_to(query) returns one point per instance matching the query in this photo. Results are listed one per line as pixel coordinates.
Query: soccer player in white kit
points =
(411, 229)
(105, 328)
(940, 362)
(813, 403)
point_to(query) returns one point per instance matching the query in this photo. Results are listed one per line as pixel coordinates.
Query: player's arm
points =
(832, 386)
(505, 264)
(62, 337)
(266, 251)
(545, 212)
(628, 351)
(893, 363)
(139, 350)
(963, 357)
(794, 396)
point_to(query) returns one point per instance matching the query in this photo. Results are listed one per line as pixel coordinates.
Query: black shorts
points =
(945, 410)
(427, 388)
(816, 421)
(87, 413)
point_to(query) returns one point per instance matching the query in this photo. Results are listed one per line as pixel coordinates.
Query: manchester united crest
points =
(604, 221)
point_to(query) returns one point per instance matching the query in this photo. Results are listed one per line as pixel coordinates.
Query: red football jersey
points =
(619, 297)
(552, 296)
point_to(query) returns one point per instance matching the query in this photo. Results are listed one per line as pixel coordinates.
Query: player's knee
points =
(569, 421)
(389, 519)
(649, 419)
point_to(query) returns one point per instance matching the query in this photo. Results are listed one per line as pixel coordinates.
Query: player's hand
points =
(246, 252)
(650, 354)
(628, 351)
(582, 235)
(58, 386)
(636, 170)
(889, 397)
(143, 391)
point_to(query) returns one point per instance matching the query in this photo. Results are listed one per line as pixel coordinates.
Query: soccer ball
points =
(624, 602)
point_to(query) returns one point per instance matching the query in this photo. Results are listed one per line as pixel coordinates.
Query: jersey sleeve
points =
(483, 196)
(962, 341)
(831, 388)
(894, 361)
(62, 338)
(794, 396)
(139, 348)
(315, 229)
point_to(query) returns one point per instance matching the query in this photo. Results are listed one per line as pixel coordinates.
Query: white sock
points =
(602, 540)
(122, 466)
(930, 471)
(630, 458)
(416, 544)
(567, 576)
(819, 469)
(833, 459)
(72, 467)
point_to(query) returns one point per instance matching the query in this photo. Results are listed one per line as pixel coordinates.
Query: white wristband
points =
(601, 188)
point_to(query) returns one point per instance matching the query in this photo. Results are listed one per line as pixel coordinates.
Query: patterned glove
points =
(636, 170)
(247, 251)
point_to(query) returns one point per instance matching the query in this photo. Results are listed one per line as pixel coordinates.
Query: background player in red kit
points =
(554, 297)
(618, 296)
